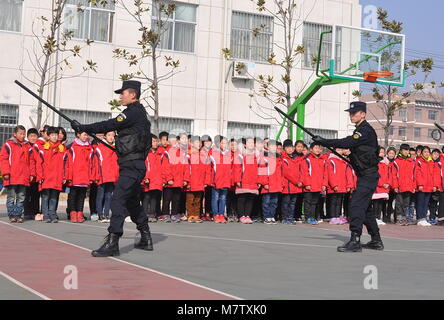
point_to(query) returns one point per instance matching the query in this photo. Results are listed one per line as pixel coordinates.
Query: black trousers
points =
(346, 202)
(93, 198)
(150, 201)
(334, 204)
(298, 206)
(231, 203)
(402, 203)
(171, 196)
(126, 197)
(311, 200)
(320, 213)
(32, 200)
(245, 204)
(380, 209)
(208, 196)
(441, 207)
(76, 198)
(257, 207)
(360, 209)
(433, 204)
(390, 208)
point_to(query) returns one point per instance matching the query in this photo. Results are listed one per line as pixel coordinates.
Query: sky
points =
(423, 26)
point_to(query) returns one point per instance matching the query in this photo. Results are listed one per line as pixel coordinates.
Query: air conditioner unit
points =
(404, 138)
(243, 70)
(404, 119)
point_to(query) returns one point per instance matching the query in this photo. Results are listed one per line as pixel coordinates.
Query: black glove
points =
(76, 125)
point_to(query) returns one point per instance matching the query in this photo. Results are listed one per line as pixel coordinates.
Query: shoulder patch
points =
(357, 135)
(121, 117)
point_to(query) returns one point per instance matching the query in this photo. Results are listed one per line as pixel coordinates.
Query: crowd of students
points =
(196, 179)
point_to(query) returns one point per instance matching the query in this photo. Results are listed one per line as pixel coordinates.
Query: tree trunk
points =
(41, 91)
(155, 124)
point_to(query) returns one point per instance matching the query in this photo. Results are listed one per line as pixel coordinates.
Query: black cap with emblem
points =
(129, 84)
(357, 106)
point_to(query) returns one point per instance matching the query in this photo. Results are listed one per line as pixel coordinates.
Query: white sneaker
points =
(380, 222)
(424, 223)
(128, 219)
(320, 221)
(273, 221)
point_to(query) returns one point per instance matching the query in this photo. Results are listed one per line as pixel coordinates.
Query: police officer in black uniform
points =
(133, 142)
(363, 145)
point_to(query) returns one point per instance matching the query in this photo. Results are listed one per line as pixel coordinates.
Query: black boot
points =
(354, 245)
(145, 243)
(110, 247)
(375, 243)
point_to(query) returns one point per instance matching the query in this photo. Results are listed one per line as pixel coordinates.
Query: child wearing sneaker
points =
(312, 172)
(292, 184)
(425, 184)
(270, 177)
(403, 179)
(381, 195)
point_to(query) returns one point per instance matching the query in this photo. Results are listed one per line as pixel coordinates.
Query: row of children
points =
(43, 165)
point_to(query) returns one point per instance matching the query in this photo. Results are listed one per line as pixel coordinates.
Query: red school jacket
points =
(51, 166)
(270, 173)
(352, 179)
(220, 171)
(174, 165)
(337, 175)
(312, 172)
(17, 160)
(153, 163)
(403, 176)
(291, 173)
(106, 165)
(198, 171)
(424, 174)
(80, 164)
(245, 167)
(384, 169)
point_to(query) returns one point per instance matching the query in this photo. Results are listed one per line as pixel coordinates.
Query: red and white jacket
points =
(245, 167)
(312, 172)
(105, 165)
(424, 171)
(17, 160)
(270, 173)
(80, 164)
(51, 166)
(291, 173)
(337, 175)
(174, 167)
(221, 169)
(199, 171)
(403, 177)
(384, 176)
(153, 174)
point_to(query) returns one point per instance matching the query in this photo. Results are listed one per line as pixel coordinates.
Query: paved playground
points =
(215, 261)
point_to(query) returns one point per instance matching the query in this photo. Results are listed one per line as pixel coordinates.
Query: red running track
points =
(39, 262)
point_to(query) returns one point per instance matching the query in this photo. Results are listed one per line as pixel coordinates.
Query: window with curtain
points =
(81, 116)
(402, 131)
(311, 38)
(11, 15)
(179, 32)
(8, 120)
(417, 132)
(433, 115)
(245, 44)
(238, 130)
(93, 22)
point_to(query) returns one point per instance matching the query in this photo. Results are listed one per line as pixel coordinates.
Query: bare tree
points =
(48, 43)
(388, 98)
(149, 49)
(288, 55)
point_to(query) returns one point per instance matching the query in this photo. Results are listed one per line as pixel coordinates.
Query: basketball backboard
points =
(356, 51)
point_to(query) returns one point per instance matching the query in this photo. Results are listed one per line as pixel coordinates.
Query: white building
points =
(204, 97)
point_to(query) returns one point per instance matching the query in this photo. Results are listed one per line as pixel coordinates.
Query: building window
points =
(311, 37)
(82, 117)
(251, 36)
(87, 21)
(180, 29)
(430, 133)
(176, 125)
(402, 131)
(327, 134)
(417, 132)
(11, 15)
(238, 130)
(8, 121)
(433, 115)
(418, 114)
(403, 113)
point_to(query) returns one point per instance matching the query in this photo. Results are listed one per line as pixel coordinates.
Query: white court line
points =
(129, 263)
(261, 242)
(24, 286)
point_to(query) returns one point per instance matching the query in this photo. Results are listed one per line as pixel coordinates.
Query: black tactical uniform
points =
(363, 145)
(133, 142)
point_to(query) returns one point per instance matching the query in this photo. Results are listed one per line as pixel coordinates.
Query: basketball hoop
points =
(373, 76)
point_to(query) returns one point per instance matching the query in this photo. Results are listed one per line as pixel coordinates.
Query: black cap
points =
(357, 106)
(129, 84)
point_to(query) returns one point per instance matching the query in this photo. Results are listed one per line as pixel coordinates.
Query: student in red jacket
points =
(291, 182)
(32, 199)
(312, 171)
(231, 197)
(245, 169)
(80, 174)
(270, 177)
(18, 169)
(206, 150)
(403, 179)
(198, 172)
(335, 178)
(381, 195)
(107, 174)
(220, 174)
(425, 184)
(51, 174)
(174, 165)
(299, 147)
